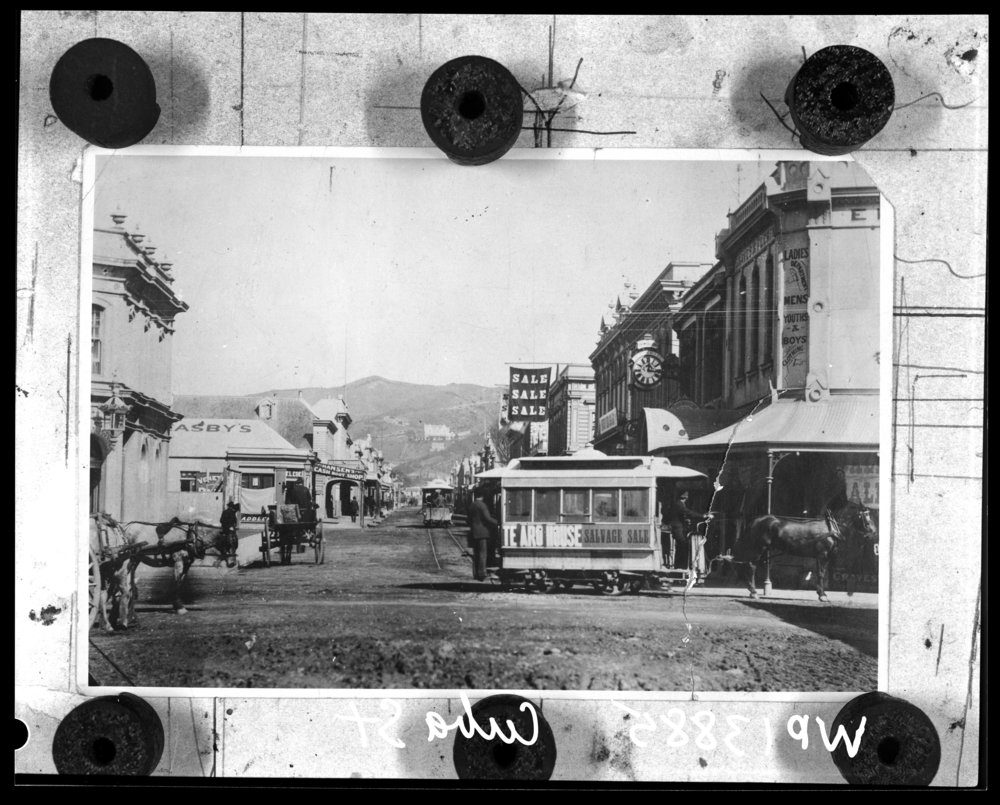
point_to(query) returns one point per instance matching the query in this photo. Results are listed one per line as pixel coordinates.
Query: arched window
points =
(754, 317)
(144, 466)
(96, 339)
(741, 326)
(770, 309)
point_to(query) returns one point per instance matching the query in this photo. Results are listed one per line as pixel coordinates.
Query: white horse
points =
(176, 544)
(112, 601)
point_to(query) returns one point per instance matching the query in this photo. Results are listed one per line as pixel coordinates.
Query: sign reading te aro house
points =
(529, 393)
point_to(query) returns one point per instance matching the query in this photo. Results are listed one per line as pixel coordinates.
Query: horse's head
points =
(215, 540)
(870, 529)
(857, 518)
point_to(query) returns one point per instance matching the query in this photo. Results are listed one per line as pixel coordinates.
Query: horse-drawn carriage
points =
(288, 527)
(110, 553)
(116, 551)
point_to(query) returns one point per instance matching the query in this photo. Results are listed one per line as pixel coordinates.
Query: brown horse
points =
(178, 544)
(821, 539)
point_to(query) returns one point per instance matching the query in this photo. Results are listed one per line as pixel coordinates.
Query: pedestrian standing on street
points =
(229, 522)
(481, 523)
(354, 510)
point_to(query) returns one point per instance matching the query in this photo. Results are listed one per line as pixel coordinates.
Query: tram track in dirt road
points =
(434, 551)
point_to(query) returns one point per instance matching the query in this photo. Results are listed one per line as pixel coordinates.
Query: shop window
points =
(256, 480)
(189, 480)
(518, 505)
(605, 505)
(635, 505)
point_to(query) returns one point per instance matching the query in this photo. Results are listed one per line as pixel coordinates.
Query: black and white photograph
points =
(359, 420)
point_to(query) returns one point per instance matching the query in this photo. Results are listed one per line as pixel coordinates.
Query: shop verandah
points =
(791, 459)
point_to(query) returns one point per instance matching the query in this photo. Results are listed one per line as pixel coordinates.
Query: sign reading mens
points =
(529, 395)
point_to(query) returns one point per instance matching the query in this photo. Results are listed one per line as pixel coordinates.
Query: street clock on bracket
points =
(646, 364)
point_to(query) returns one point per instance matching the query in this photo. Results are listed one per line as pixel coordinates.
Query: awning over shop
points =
(848, 423)
(667, 427)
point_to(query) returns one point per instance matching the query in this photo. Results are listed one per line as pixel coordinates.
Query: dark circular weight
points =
(898, 747)
(103, 91)
(472, 109)
(478, 759)
(21, 734)
(119, 735)
(840, 98)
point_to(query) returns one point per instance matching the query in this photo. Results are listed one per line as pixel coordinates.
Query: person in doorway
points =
(355, 509)
(481, 524)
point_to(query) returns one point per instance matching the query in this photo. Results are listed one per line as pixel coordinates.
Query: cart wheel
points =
(320, 549)
(94, 592)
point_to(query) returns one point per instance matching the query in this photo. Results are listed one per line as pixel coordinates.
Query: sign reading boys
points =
(529, 395)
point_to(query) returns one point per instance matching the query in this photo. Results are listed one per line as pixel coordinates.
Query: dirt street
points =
(395, 606)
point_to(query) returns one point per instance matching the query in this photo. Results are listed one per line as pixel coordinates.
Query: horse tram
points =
(289, 529)
(589, 520)
(437, 503)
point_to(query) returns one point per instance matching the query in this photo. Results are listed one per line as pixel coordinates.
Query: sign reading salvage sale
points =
(529, 395)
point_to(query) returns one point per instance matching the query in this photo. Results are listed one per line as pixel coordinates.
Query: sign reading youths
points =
(529, 395)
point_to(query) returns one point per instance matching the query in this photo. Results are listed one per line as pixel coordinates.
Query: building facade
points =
(132, 315)
(793, 302)
(571, 410)
(783, 332)
(646, 317)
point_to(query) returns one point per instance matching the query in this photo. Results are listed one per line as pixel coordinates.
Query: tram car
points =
(437, 503)
(591, 521)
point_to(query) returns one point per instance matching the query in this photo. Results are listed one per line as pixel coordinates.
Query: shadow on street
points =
(857, 628)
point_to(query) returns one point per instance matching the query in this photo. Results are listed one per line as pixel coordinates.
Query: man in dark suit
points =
(481, 523)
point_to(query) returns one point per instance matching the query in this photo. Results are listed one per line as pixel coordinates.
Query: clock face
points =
(647, 368)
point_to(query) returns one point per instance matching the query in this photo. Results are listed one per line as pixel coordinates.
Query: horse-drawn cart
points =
(286, 528)
(110, 552)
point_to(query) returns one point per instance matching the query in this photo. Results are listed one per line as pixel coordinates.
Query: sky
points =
(314, 271)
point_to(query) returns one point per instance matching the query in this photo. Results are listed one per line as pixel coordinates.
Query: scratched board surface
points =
(663, 82)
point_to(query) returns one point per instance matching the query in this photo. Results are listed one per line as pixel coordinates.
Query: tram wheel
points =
(610, 584)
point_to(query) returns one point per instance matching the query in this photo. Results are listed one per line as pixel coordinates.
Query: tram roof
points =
(437, 484)
(595, 467)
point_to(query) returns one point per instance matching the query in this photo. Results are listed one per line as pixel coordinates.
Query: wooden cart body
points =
(285, 528)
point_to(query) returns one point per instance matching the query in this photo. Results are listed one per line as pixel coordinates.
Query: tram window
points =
(518, 505)
(576, 505)
(547, 505)
(605, 505)
(635, 505)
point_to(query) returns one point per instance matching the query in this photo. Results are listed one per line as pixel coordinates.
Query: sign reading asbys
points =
(529, 395)
(575, 535)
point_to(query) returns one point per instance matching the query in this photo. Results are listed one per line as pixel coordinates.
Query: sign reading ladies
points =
(529, 395)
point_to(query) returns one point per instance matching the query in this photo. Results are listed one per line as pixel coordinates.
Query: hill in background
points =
(394, 413)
